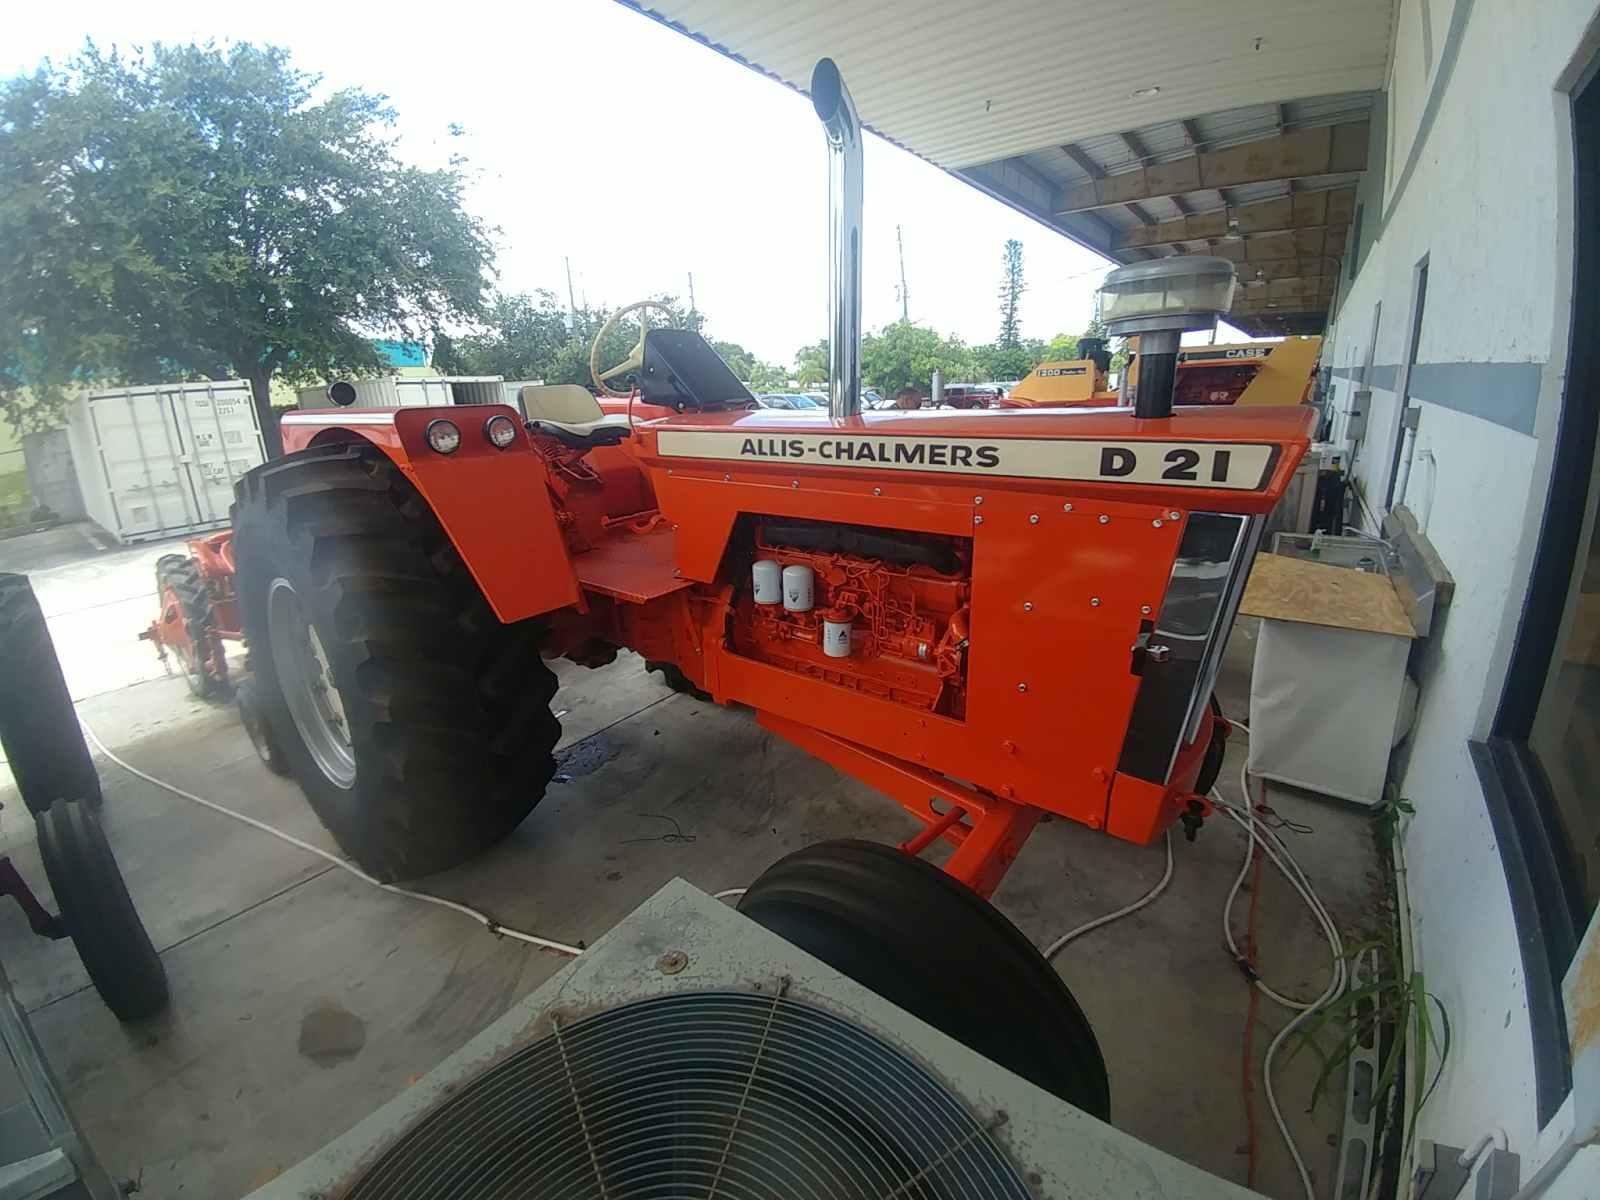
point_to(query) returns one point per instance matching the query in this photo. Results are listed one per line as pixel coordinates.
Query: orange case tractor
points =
(986, 616)
(1249, 373)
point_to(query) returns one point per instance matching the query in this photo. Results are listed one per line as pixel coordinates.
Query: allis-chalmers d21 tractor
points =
(987, 616)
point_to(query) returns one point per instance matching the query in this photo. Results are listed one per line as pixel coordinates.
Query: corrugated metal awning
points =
(1141, 129)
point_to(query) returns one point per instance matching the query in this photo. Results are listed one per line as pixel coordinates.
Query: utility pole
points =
(905, 295)
(572, 302)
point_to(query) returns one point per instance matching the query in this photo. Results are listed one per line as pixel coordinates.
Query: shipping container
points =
(513, 392)
(370, 393)
(420, 391)
(156, 462)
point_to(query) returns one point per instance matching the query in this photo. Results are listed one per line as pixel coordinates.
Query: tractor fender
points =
(494, 503)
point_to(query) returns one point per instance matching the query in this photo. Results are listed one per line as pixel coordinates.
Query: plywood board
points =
(1294, 589)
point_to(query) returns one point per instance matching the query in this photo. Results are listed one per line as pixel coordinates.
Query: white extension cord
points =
(1073, 935)
(1282, 858)
(1271, 844)
(488, 923)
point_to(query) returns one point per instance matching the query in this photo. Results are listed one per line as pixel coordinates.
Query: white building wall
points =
(1475, 185)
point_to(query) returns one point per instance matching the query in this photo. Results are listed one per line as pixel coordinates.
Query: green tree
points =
(446, 358)
(524, 335)
(1008, 362)
(1011, 289)
(740, 361)
(769, 377)
(811, 363)
(197, 212)
(905, 355)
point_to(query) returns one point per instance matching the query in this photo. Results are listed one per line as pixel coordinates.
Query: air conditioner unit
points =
(692, 1053)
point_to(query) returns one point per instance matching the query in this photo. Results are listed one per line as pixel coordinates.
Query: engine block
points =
(899, 629)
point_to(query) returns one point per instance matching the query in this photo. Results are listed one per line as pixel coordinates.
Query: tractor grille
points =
(705, 1095)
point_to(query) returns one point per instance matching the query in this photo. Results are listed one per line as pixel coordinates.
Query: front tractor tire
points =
(418, 725)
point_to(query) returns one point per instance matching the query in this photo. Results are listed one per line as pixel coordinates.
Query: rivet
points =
(1156, 522)
(977, 520)
(1007, 790)
(672, 962)
(1094, 601)
(1145, 609)
(877, 491)
(977, 499)
(1066, 508)
(1174, 514)
(1027, 606)
(1022, 687)
(669, 470)
(677, 572)
(1104, 520)
(1033, 518)
(794, 483)
(725, 478)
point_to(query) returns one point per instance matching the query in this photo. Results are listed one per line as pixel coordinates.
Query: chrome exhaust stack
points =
(837, 112)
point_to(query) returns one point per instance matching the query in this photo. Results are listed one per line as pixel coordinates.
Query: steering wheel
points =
(636, 358)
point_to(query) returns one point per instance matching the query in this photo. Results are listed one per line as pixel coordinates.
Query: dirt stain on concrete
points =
(585, 757)
(331, 1034)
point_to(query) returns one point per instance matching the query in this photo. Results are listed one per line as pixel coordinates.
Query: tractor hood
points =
(1241, 459)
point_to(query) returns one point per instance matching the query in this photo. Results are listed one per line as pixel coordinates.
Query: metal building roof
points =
(1139, 129)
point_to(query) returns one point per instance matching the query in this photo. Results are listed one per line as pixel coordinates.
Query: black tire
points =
(443, 712)
(38, 725)
(675, 679)
(261, 735)
(182, 576)
(98, 912)
(932, 946)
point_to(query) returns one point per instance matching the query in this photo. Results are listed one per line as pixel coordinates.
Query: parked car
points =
(791, 401)
(970, 395)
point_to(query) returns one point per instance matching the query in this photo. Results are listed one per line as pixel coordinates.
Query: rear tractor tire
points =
(178, 582)
(418, 725)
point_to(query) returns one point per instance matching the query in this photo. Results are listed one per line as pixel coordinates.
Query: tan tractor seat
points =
(568, 413)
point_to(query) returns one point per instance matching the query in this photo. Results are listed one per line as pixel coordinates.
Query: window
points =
(1402, 395)
(1539, 765)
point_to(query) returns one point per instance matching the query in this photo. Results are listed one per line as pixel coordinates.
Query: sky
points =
(596, 135)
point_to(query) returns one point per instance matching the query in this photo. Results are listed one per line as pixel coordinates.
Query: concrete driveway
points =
(303, 998)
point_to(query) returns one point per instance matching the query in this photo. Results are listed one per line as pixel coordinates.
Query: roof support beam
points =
(1085, 164)
(1192, 132)
(1299, 295)
(1270, 270)
(1287, 214)
(1297, 154)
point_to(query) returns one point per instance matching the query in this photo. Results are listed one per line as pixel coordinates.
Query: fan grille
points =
(699, 1095)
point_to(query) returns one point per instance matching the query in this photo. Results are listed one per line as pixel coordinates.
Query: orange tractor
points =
(987, 616)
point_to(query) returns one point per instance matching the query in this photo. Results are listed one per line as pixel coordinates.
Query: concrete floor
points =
(302, 998)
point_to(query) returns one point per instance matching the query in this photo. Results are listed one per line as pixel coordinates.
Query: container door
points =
(138, 448)
(217, 425)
